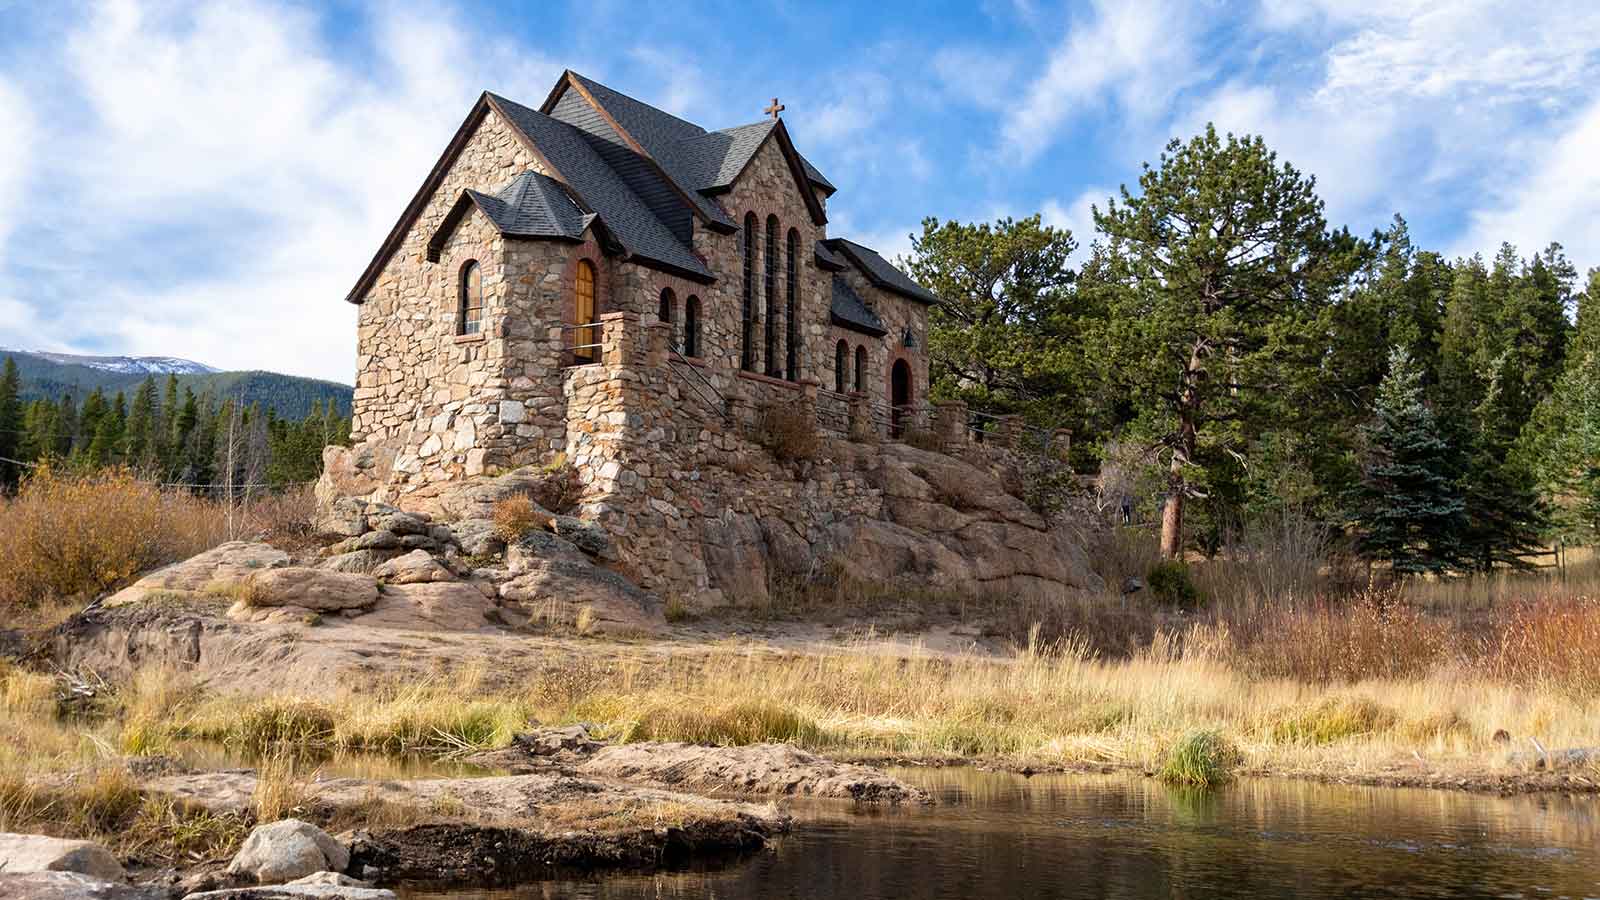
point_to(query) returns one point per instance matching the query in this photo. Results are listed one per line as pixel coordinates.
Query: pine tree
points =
(66, 428)
(140, 443)
(10, 424)
(1407, 506)
(1505, 517)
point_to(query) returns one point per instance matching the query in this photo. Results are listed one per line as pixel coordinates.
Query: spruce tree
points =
(1505, 516)
(10, 424)
(143, 417)
(1407, 506)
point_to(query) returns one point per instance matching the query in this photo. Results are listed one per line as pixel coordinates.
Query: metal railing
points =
(582, 354)
(719, 405)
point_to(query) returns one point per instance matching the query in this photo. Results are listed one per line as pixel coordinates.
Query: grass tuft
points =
(1201, 758)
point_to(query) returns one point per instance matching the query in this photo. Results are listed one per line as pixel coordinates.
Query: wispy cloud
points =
(1134, 55)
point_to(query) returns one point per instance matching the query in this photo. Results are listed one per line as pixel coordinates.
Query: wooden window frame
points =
(747, 359)
(791, 317)
(587, 334)
(469, 316)
(841, 352)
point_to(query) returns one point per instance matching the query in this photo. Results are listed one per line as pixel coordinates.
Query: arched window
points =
(747, 311)
(791, 322)
(841, 354)
(585, 345)
(469, 306)
(861, 367)
(691, 326)
(770, 283)
(668, 315)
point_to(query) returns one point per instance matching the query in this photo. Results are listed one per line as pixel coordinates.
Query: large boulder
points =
(416, 567)
(359, 562)
(537, 547)
(37, 853)
(561, 589)
(214, 570)
(736, 557)
(342, 517)
(286, 850)
(440, 606)
(478, 537)
(352, 472)
(317, 589)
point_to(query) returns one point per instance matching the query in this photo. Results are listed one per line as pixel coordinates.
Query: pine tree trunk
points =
(1172, 511)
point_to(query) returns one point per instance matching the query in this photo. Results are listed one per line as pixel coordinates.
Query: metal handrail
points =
(721, 405)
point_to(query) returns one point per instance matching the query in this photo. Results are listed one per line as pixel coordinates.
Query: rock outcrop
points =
(289, 849)
(38, 853)
(213, 571)
(72, 886)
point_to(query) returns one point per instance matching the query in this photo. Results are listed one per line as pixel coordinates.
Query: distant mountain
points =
(127, 365)
(56, 375)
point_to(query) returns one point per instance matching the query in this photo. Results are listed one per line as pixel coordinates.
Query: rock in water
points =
(37, 853)
(297, 891)
(286, 850)
(72, 886)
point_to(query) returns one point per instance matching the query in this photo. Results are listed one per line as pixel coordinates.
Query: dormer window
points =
(469, 312)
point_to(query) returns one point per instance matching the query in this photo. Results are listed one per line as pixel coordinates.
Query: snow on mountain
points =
(128, 365)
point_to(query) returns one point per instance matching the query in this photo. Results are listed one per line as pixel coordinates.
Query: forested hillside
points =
(1242, 373)
(288, 395)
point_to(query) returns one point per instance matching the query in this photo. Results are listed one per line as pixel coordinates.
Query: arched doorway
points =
(899, 396)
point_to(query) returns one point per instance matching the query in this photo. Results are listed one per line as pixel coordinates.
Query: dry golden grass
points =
(517, 516)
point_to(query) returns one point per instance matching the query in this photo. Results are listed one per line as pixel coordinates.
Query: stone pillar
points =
(619, 338)
(657, 337)
(861, 427)
(1061, 443)
(1010, 433)
(950, 424)
(808, 401)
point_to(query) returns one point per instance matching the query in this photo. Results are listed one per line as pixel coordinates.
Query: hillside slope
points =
(291, 395)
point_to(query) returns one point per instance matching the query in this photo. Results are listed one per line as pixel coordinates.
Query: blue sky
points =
(207, 180)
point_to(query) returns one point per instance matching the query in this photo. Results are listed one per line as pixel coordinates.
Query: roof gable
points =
(598, 189)
(882, 273)
(531, 206)
(697, 162)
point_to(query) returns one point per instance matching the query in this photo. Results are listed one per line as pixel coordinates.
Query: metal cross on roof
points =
(774, 109)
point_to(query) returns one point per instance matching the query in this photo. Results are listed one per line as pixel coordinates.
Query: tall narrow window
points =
(791, 322)
(587, 339)
(747, 312)
(668, 314)
(691, 326)
(861, 367)
(469, 312)
(770, 283)
(841, 354)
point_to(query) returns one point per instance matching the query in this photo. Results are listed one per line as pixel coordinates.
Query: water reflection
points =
(996, 835)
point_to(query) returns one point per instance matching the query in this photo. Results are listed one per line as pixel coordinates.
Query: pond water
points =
(1004, 836)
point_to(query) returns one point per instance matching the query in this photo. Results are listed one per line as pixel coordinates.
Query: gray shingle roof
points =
(828, 259)
(881, 272)
(600, 189)
(533, 205)
(704, 164)
(850, 311)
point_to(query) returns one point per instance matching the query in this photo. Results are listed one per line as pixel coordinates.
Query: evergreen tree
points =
(1505, 516)
(11, 424)
(39, 431)
(1216, 280)
(1408, 508)
(66, 428)
(142, 417)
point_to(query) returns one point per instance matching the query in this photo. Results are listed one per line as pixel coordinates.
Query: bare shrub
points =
(1545, 642)
(787, 432)
(75, 536)
(283, 519)
(517, 516)
(559, 489)
(1375, 635)
(1287, 558)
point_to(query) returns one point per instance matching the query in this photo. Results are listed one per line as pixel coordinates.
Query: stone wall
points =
(407, 318)
(701, 510)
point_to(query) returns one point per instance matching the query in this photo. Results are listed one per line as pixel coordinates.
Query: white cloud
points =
(1137, 53)
(244, 125)
(1556, 201)
(16, 152)
(859, 99)
(1077, 216)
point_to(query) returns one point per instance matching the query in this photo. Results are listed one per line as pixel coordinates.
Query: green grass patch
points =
(1201, 758)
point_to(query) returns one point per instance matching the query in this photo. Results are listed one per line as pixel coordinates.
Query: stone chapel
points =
(542, 234)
